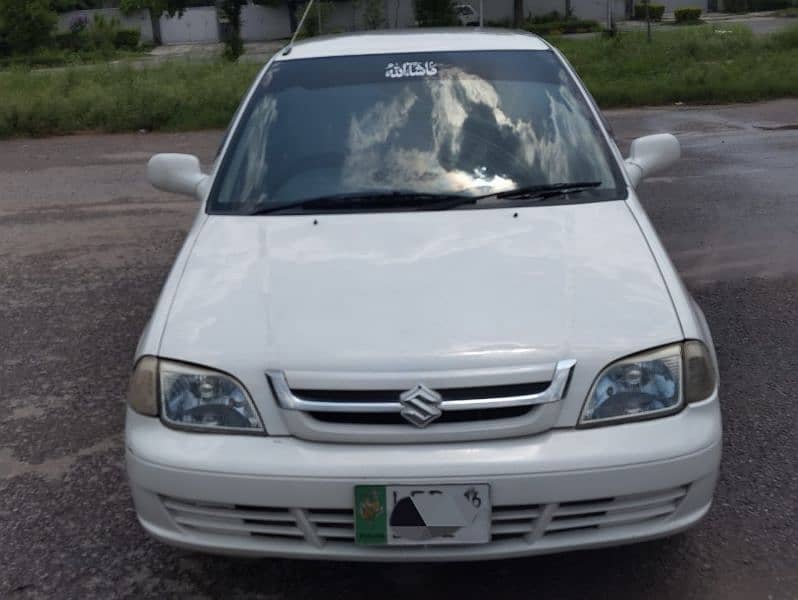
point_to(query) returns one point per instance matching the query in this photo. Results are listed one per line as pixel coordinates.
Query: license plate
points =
(422, 515)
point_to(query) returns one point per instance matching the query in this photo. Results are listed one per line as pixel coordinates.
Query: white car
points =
(421, 315)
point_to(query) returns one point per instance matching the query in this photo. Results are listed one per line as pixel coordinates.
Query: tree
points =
(230, 10)
(157, 9)
(233, 45)
(372, 15)
(518, 13)
(26, 25)
(435, 13)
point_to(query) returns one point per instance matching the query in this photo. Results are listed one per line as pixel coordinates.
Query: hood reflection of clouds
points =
(544, 145)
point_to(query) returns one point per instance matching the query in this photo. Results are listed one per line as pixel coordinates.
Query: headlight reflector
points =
(198, 398)
(637, 387)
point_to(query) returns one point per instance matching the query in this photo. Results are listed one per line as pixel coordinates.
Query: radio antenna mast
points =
(298, 28)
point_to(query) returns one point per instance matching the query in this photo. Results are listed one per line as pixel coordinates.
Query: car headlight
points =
(650, 384)
(192, 397)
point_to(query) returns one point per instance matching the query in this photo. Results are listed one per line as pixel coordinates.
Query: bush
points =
(560, 27)
(102, 32)
(102, 35)
(550, 17)
(760, 5)
(687, 15)
(26, 25)
(784, 40)
(78, 24)
(655, 11)
(127, 39)
(70, 41)
(70, 5)
(311, 26)
(435, 13)
(735, 6)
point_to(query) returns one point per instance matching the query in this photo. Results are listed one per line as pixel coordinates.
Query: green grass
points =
(173, 96)
(691, 65)
(58, 57)
(698, 65)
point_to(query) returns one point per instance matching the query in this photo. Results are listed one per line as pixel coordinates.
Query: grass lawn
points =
(59, 57)
(699, 65)
(691, 65)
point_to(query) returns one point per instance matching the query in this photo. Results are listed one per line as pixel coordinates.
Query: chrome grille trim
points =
(289, 401)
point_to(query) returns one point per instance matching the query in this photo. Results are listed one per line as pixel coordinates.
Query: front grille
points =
(466, 393)
(424, 412)
(509, 523)
(461, 416)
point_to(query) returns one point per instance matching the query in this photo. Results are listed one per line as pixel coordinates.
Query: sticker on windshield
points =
(411, 69)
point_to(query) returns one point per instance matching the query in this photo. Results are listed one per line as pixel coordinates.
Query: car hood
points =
(482, 291)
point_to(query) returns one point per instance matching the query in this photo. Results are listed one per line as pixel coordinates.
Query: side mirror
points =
(176, 173)
(650, 154)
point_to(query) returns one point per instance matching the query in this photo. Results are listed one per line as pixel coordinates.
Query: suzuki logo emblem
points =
(420, 405)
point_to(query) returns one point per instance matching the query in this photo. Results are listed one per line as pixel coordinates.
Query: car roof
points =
(397, 41)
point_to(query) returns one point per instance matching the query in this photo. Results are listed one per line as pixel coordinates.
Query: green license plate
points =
(423, 515)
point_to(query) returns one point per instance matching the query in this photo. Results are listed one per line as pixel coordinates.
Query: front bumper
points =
(562, 490)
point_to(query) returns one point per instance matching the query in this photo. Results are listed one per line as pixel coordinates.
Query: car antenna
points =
(290, 46)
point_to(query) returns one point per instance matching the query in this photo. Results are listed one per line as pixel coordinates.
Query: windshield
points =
(448, 123)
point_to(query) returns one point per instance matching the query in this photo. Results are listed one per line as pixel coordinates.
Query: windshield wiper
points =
(549, 190)
(371, 200)
(419, 200)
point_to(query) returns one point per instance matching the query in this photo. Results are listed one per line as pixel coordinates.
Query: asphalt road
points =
(85, 245)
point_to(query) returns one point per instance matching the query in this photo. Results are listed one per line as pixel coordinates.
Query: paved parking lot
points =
(85, 244)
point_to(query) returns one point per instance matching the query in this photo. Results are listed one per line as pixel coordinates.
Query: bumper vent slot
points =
(577, 516)
(510, 524)
(234, 519)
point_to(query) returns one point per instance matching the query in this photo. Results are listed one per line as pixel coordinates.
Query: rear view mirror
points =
(650, 154)
(176, 173)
